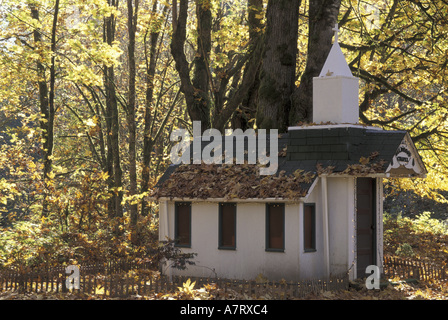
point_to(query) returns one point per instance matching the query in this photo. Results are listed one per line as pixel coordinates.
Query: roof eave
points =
(249, 200)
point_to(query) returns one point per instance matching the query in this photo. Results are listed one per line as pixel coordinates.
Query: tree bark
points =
(249, 105)
(240, 92)
(46, 99)
(279, 64)
(196, 91)
(132, 29)
(323, 16)
(148, 141)
(201, 79)
(113, 147)
(243, 84)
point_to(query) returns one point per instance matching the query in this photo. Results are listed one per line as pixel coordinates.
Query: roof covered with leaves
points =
(303, 155)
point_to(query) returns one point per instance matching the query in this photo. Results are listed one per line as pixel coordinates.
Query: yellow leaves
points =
(51, 175)
(85, 75)
(231, 37)
(91, 122)
(97, 52)
(134, 199)
(103, 9)
(188, 292)
(103, 175)
(16, 49)
(364, 160)
(165, 3)
(105, 54)
(187, 287)
(259, 16)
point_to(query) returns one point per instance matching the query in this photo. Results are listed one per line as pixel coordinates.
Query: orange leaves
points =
(232, 181)
(244, 181)
(365, 166)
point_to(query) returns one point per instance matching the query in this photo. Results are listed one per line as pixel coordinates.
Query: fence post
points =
(417, 273)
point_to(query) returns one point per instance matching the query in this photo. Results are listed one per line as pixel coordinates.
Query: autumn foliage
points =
(423, 238)
(91, 90)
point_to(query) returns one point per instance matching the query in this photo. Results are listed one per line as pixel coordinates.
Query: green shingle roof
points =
(309, 149)
(340, 147)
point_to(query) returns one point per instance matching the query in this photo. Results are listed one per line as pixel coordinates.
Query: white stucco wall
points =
(312, 264)
(250, 258)
(379, 222)
(342, 221)
(341, 215)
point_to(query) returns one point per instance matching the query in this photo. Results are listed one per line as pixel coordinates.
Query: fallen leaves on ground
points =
(390, 290)
(400, 290)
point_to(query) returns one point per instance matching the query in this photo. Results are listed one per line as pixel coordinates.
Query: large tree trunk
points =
(323, 16)
(279, 64)
(113, 147)
(201, 78)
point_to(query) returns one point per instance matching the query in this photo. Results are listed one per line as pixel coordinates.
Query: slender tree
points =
(112, 122)
(151, 56)
(131, 106)
(46, 96)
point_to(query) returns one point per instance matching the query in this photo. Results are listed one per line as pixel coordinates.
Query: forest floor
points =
(422, 290)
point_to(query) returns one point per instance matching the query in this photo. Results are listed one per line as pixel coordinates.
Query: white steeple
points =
(335, 65)
(335, 91)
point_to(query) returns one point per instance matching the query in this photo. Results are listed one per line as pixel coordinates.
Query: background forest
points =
(90, 91)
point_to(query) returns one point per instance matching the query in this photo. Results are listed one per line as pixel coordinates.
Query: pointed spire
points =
(336, 90)
(335, 65)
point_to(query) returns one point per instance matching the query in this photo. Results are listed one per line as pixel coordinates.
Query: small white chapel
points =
(320, 215)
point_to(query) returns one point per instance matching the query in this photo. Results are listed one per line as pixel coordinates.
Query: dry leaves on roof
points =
(366, 166)
(241, 181)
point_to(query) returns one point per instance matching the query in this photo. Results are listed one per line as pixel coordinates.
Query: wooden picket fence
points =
(94, 278)
(112, 280)
(409, 269)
